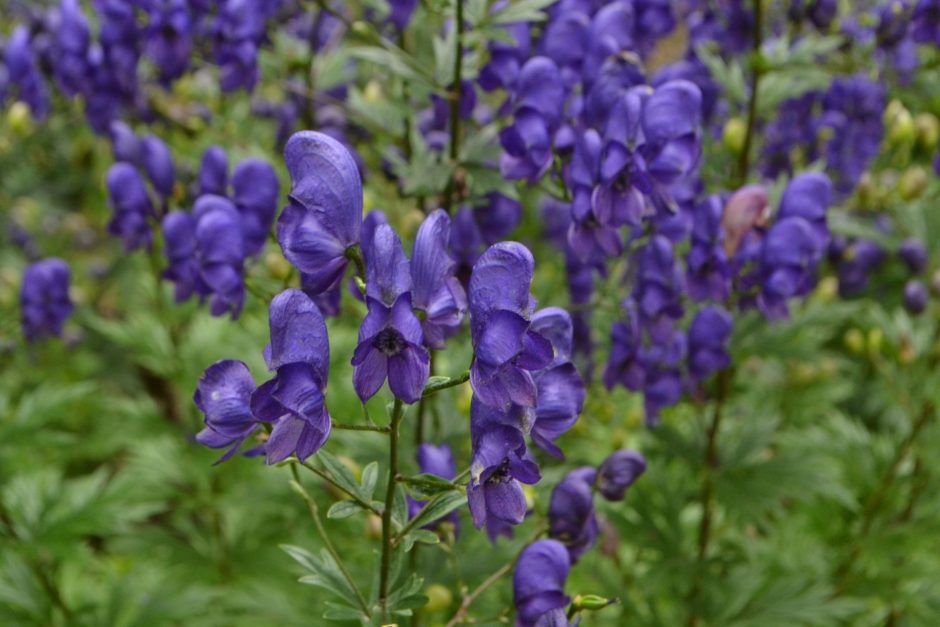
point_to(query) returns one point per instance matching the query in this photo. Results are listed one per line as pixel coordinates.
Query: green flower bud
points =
(734, 135)
(913, 183)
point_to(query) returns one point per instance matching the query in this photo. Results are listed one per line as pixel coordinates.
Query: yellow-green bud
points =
(928, 131)
(439, 597)
(20, 119)
(876, 338)
(734, 134)
(854, 340)
(913, 183)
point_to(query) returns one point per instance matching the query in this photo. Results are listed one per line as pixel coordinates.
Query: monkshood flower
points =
(220, 248)
(914, 255)
(324, 216)
(618, 472)
(672, 120)
(538, 100)
(474, 228)
(438, 461)
(23, 72)
(506, 57)
(401, 11)
(793, 128)
(859, 260)
(915, 297)
(254, 191)
(708, 275)
(808, 196)
(71, 41)
(624, 365)
(157, 161)
(506, 350)
(390, 338)
(223, 395)
(852, 110)
(659, 287)
(499, 466)
(119, 38)
(662, 385)
(44, 299)
(789, 258)
(692, 69)
(925, 22)
(169, 38)
(538, 585)
(561, 390)
(437, 293)
(179, 237)
(571, 512)
(654, 20)
(240, 28)
(708, 342)
(293, 400)
(131, 205)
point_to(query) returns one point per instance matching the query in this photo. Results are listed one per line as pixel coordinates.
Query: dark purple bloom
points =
(624, 365)
(708, 339)
(915, 297)
(506, 350)
(213, 172)
(538, 585)
(158, 163)
(859, 260)
(124, 143)
(293, 400)
(169, 39)
(131, 204)
(506, 58)
(914, 255)
(618, 472)
(808, 196)
(72, 39)
(925, 24)
(672, 119)
(437, 292)
(709, 273)
(571, 512)
(390, 338)
(500, 462)
(223, 395)
(255, 190)
(853, 108)
(220, 246)
(401, 11)
(324, 216)
(659, 286)
(179, 236)
(789, 258)
(44, 298)
(23, 72)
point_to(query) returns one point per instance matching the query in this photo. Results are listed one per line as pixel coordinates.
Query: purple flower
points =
(131, 205)
(789, 258)
(618, 472)
(506, 350)
(23, 72)
(390, 338)
(71, 48)
(624, 365)
(213, 172)
(223, 395)
(853, 108)
(500, 462)
(125, 144)
(708, 339)
(914, 255)
(255, 190)
(571, 512)
(158, 163)
(401, 11)
(671, 123)
(293, 400)
(437, 292)
(925, 24)
(538, 585)
(44, 299)
(179, 236)
(709, 274)
(324, 216)
(915, 297)
(808, 196)
(659, 286)
(220, 247)
(169, 38)
(859, 260)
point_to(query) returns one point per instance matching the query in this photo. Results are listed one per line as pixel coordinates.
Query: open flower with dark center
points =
(390, 338)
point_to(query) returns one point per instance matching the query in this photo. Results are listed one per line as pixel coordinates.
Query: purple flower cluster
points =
(44, 299)
(523, 381)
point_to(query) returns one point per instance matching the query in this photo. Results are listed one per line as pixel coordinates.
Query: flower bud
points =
(591, 602)
(913, 183)
(439, 597)
(20, 119)
(618, 472)
(734, 135)
(900, 123)
(914, 255)
(854, 340)
(915, 297)
(928, 131)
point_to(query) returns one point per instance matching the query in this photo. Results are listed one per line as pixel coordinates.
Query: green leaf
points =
(370, 476)
(324, 572)
(424, 486)
(340, 473)
(522, 11)
(344, 509)
(398, 62)
(423, 536)
(343, 613)
(438, 507)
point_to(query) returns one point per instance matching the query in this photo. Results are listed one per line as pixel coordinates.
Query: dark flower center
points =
(389, 342)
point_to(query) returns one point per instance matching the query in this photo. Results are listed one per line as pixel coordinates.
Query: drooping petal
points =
(298, 333)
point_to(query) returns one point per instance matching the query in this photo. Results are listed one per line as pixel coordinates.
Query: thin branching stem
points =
(385, 572)
(456, 95)
(315, 515)
(326, 477)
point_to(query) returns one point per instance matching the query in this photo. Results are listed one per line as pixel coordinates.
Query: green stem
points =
(744, 159)
(710, 462)
(315, 515)
(385, 571)
(350, 427)
(456, 95)
(433, 388)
